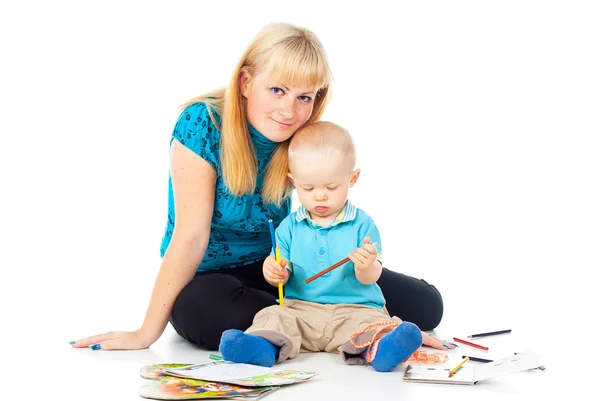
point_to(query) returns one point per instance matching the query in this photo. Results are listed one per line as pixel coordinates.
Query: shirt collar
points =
(348, 213)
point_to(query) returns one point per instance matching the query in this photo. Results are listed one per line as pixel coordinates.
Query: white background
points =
(476, 124)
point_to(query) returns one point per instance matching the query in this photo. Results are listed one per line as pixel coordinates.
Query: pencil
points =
(472, 358)
(338, 264)
(491, 333)
(273, 240)
(471, 344)
(453, 371)
(277, 258)
(280, 284)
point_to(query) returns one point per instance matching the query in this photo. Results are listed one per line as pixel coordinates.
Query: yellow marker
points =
(453, 371)
(280, 285)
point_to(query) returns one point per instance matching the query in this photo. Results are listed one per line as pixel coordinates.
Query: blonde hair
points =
(285, 53)
(321, 139)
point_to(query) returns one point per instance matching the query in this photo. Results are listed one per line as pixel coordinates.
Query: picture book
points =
(471, 373)
(240, 374)
(189, 389)
(157, 372)
(162, 386)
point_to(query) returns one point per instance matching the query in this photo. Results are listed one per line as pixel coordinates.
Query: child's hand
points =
(275, 274)
(364, 257)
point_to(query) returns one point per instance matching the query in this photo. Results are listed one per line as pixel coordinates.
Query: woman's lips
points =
(282, 125)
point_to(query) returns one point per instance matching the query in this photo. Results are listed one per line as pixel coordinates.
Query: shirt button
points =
(322, 232)
(321, 251)
(322, 265)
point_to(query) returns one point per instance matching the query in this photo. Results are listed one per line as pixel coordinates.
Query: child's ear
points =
(291, 177)
(354, 177)
(245, 80)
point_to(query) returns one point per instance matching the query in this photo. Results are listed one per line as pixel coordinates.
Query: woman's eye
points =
(305, 99)
(276, 91)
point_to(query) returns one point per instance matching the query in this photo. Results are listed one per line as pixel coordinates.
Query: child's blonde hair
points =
(321, 139)
(287, 54)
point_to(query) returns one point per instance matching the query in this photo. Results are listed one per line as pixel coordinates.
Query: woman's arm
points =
(193, 181)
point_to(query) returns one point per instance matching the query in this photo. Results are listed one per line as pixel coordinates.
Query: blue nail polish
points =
(456, 345)
(95, 347)
(446, 345)
(72, 342)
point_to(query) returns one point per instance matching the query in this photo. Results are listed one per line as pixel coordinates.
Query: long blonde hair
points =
(287, 54)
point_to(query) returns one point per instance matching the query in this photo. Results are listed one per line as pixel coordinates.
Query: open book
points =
(241, 374)
(472, 373)
(162, 386)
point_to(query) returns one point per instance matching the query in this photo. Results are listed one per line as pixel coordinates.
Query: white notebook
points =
(471, 373)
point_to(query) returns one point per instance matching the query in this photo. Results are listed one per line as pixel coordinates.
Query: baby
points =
(343, 310)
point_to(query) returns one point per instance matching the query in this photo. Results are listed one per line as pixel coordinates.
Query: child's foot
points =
(397, 346)
(237, 346)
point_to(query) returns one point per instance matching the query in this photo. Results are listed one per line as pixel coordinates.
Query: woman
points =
(227, 179)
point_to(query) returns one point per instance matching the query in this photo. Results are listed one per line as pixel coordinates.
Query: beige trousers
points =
(302, 326)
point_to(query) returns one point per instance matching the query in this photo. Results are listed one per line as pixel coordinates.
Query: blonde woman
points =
(228, 177)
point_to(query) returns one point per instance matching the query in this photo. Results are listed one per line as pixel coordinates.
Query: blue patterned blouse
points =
(239, 233)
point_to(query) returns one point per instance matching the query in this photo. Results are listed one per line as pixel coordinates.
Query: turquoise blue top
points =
(239, 232)
(311, 248)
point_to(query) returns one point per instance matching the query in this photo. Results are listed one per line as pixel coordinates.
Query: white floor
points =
(40, 350)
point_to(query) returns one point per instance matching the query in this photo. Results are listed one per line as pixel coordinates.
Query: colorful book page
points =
(241, 374)
(189, 389)
(157, 372)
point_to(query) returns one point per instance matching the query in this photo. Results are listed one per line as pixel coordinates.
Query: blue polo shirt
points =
(311, 248)
(239, 229)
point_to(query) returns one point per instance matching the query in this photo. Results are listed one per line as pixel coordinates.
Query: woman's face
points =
(276, 111)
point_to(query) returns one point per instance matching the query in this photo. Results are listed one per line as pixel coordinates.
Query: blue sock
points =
(397, 346)
(237, 346)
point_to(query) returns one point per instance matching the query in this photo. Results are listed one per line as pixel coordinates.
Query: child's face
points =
(276, 111)
(322, 184)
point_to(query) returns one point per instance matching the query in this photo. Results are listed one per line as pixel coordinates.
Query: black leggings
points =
(228, 299)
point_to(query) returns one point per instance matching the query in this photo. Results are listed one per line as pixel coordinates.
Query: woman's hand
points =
(436, 343)
(275, 274)
(114, 340)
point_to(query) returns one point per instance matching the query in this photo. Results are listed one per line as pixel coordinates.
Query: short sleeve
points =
(196, 131)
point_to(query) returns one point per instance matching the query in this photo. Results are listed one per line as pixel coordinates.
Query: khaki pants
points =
(301, 326)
